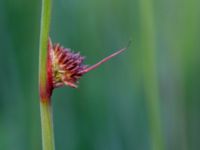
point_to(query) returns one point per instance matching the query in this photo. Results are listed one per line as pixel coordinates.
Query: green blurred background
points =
(145, 99)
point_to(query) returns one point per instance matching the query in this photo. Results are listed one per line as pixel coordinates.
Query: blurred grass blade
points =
(150, 74)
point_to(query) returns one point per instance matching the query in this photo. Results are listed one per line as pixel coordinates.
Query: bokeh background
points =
(145, 99)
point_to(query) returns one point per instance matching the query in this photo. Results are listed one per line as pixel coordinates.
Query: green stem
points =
(44, 33)
(150, 73)
(45, 102)
(47, 125)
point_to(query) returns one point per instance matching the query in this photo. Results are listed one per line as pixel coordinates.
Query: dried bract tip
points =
(67, 67)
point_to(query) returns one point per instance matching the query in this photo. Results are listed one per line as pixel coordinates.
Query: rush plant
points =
(58, 66)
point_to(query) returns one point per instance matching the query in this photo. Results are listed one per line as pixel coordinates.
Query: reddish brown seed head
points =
(67, 67)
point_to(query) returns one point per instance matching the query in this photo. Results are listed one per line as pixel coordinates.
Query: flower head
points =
(66, 67)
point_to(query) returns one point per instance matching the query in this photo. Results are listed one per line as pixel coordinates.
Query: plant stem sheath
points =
(45, 102)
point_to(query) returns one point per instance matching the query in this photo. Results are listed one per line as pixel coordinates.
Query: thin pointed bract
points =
(106, 59)
(67, 67)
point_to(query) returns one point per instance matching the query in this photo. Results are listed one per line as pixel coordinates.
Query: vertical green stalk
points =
(150, 75)
(45, 101)
(47, 125)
